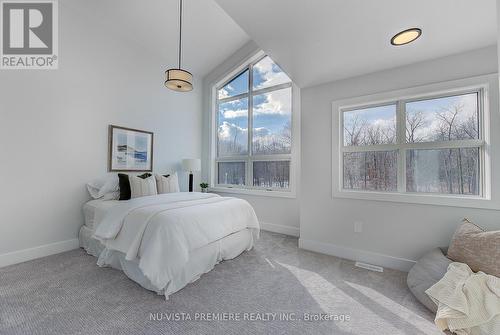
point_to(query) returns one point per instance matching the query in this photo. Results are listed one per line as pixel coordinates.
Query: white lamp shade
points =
(179, 80)
(191, 164)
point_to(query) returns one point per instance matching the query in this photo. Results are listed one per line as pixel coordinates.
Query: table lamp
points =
(191, 165)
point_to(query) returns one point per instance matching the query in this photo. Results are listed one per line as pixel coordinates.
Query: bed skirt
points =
(201, 260)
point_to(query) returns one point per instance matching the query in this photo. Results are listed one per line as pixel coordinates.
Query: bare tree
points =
(447, 130)
(415, 120)
(355, 131)
(457, 168)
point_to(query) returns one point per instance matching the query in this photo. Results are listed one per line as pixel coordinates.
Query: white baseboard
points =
(37, 252)
(282, 229)
(386, 261)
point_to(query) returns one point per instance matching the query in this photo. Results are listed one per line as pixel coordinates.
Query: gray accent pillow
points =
(425, 273)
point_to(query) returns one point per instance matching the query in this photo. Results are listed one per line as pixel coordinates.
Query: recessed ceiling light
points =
(406, 36)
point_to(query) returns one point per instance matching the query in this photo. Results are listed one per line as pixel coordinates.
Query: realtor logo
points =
(29, 34)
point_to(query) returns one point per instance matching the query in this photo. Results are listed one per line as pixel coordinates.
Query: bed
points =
(164, 242)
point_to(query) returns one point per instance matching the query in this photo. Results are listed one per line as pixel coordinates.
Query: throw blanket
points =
(160, 231)
(468, 302)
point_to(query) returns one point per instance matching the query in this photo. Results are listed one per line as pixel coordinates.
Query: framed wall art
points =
(130, 149)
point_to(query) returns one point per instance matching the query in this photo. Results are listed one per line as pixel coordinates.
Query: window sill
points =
(264, 193)
(425, 199)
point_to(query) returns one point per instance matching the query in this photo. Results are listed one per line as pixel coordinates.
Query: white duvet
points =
(160, 231)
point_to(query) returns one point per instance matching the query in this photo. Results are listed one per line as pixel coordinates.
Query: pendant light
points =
(179, 79)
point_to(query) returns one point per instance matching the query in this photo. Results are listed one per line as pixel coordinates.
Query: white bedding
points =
(160, 232)
(94, 211)
(201, 260)
(91, 245)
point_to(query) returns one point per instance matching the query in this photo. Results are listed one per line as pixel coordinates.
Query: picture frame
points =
(129, 149)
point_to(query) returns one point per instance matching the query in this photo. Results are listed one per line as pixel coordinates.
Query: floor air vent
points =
(369, 267)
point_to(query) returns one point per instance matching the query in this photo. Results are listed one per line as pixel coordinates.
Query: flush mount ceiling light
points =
(406, 36)
(179, 79)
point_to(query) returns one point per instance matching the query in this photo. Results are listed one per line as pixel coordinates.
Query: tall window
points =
(430, 144)
(254, 128)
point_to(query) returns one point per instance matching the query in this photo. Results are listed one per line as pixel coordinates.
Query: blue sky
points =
(429, 108)
(271, 110)
(381, 116)
(265, 73)
(385, 116)
(437, 105)
(237, 86)
(372, 114)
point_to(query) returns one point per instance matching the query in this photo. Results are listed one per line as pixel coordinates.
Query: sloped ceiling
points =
(318, 41)
(209, 34)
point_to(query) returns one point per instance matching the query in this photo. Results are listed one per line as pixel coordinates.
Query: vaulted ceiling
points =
(317, 41)
(151, 26)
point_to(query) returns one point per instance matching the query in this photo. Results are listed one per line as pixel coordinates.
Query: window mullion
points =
(250, 126)
(369, 148)
(401, 139)
(249, 158)
(463, 171)
(232, 98)
(271, 88)
(454, 144)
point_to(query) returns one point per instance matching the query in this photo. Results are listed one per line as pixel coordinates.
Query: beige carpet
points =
(272, 289)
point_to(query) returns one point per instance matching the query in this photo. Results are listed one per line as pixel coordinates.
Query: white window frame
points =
(482, 85)
(249, 158)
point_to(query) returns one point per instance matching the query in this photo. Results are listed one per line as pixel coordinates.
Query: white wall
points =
(274, 213)
(399, 230)
(53, 128)
(498, 30)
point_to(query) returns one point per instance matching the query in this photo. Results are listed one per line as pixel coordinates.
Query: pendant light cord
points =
(180, 31)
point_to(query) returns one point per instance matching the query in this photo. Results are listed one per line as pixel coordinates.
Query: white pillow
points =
(142, 187)
(104, 187)
(168, 184)
(111, 196)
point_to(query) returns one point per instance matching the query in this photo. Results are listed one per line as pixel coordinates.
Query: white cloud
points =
(223, 93)
(469, 103)
(277, 103)
(265, 69)
(433, 124)
(233, 114)
(230, 130)
(234, 109)
(384, 123)
(261, 131)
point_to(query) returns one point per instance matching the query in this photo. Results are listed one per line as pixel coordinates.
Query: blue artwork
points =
(130, 149)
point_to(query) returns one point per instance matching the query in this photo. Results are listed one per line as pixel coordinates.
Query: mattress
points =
(201, 260)
(94, 209)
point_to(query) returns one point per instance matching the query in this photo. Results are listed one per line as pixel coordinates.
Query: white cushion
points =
(142, 187)
(168, 184)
